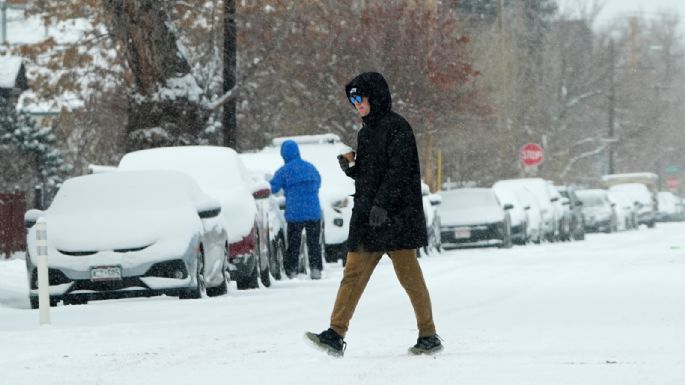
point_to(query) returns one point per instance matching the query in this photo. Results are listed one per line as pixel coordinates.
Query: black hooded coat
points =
(386, 174)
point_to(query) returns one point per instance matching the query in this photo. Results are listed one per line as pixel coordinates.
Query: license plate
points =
(105, 273)
(462, 233)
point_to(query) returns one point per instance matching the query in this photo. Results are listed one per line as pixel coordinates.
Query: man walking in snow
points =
(387, 216)
(300, 181)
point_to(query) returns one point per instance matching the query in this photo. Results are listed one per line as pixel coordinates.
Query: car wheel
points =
(199, 289)
(264, 273)
(507, 242)
(276, 255)
(250, 281)
(334, 253)
(223, 287)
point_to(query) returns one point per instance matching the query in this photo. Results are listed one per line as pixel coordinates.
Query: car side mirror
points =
(209, 213)
(508, 206)
(554, 199)
(435, 199)
(31, 217)
(527, 207)
(262, 193)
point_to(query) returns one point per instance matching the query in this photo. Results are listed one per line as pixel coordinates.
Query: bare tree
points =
(166, 107)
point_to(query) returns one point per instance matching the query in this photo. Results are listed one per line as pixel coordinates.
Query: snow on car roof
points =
(265, 163)
(307, 139)
(130, 191)
(212, 167)
(636, 190)
(322, 155)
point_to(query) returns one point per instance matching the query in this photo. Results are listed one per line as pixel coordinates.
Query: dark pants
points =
(313, 231)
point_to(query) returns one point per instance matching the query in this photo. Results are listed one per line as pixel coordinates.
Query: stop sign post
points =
(531, 154)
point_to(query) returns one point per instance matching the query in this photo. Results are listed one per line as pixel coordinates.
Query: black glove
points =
(344, 164)
(377, 216)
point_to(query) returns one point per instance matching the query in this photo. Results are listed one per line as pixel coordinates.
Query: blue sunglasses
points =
(355, 99)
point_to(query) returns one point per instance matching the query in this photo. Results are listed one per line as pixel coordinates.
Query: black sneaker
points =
(427, 345)
(328, 341)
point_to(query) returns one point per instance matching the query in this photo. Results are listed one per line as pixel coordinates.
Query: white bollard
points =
(43, 282)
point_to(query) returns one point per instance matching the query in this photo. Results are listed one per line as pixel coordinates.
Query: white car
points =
(474, 217)
(221, 174)
(336, 189)
(518, 213)
(562, 212)
(626, 214)
(646, 206)
(669, 207)
(537, 187)
(430, 212)
(122, 234)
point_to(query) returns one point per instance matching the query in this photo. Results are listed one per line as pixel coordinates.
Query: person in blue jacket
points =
(300, 182)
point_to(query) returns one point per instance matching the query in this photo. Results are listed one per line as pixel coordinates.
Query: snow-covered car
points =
(336, 189)
(626, 214)
(432, 215)
(577, 219)
(640, 194)
(123, 234)
(221, 174)
(518, 213)
(669, 207)
(597, 210)
(562, 213)
(645, 195)
(474, 217)
(538, 188)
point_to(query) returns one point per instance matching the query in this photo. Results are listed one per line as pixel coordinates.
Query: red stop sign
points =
(672, 183)
(531, 154)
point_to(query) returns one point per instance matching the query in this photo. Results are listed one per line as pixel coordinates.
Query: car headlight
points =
(338, 204)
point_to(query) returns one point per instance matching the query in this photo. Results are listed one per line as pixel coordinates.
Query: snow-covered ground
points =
(610, 310)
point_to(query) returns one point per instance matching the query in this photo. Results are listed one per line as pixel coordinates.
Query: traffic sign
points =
(672, 183)
(531, 154)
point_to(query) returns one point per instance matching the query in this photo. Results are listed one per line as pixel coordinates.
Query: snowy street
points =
(608, 310)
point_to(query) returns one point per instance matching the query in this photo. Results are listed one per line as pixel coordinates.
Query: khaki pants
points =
(357, 272)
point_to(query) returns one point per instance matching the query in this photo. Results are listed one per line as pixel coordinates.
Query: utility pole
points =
(612, 105)
(228, 120)
(500, 66)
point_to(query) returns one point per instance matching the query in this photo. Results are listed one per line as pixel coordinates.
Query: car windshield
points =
(465, 199)
(123, 191)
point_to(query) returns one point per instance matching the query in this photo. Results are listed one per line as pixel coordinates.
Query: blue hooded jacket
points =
(300, 181)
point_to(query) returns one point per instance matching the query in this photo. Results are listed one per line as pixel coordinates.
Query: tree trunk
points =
(166, 107)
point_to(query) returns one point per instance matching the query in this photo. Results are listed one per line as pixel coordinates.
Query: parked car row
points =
(519, 211)
(182, 221)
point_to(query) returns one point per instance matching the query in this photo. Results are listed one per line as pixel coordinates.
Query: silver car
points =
(122, 234)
